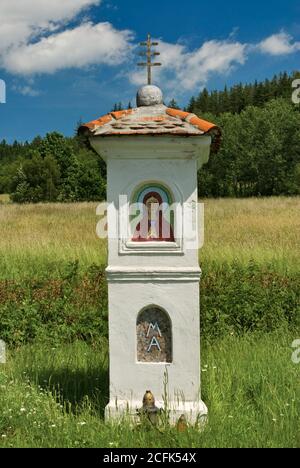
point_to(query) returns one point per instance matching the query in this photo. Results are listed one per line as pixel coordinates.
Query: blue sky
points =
(67, 60)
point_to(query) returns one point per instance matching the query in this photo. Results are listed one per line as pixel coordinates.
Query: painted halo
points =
(156, 219)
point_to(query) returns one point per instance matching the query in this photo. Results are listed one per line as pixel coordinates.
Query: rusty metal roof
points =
(152, 121)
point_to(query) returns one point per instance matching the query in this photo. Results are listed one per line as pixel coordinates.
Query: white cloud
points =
(279, 44)
(27, 91)
(185, 70)
(35, 37)
(171, 58)
(84, 45)
(191, 69)
(212, 57)
(45, 36)
(21, 20)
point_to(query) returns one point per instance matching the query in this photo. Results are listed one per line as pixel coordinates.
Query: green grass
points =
(36, 241)
(53, 389)
(265, 230)
(56, 399)
(4, 198)
(235, 298)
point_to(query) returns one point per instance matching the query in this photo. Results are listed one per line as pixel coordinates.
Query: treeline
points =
(260, 153)
(51, 169)
(259, 156)
(238, 97)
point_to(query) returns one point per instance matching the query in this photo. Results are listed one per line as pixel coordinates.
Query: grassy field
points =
(251, 282)
(56, 399)
(4, 198)
(36, 240)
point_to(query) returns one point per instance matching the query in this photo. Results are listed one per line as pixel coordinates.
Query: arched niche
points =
(154, 336)
(154, 216)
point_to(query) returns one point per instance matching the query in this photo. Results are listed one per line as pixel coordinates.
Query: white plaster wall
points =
(124, 176)
(167, 279)
(129, 379)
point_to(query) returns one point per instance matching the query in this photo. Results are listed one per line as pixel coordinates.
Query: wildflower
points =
(23, 410)
(274, 420)
(3, 436)
(82, 423)
(53, 425)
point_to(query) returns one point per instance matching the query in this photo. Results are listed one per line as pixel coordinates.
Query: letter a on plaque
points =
(154, 336)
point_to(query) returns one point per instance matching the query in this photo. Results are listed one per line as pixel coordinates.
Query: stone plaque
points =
(154, 336)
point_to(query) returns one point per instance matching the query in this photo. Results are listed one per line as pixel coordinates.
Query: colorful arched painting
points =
(153, 202)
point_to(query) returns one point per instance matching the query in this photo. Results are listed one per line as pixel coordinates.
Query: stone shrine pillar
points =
(153, 154)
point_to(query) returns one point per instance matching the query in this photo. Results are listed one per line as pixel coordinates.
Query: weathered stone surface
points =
(149, 95)
(154, 336)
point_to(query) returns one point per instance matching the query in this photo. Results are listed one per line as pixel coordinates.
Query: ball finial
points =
(149, 95)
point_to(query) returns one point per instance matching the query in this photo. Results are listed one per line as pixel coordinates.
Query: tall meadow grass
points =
(53, 316)
(35, 240)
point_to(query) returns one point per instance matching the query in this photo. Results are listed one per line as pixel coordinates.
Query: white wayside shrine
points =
(153, 154)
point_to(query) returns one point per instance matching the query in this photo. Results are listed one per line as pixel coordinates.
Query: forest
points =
(259, 156)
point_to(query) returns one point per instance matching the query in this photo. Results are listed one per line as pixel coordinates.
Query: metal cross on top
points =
(149, 54)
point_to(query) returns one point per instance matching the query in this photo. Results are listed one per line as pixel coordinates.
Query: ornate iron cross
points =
(149, 54)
